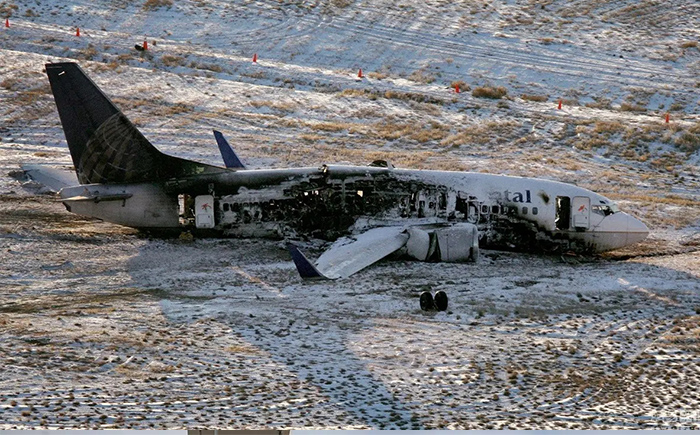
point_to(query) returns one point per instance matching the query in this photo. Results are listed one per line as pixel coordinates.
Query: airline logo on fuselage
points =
(508, 196)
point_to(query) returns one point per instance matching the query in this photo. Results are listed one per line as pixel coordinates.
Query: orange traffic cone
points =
(255, 58)
(77, 32)
(145, 45)
(359, 74)
(668, 118)
(559, 107)
(456, 89)
(7, 22)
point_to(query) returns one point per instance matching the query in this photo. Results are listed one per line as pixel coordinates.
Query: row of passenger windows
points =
(485, 209)
(497, 209)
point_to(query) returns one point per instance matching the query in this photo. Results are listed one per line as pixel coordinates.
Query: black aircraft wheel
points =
(441, 300)
(426, 301)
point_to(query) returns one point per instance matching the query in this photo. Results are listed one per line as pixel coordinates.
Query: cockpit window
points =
(604, 210)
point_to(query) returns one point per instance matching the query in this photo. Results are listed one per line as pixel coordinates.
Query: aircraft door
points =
(204, 211)
(581, 212)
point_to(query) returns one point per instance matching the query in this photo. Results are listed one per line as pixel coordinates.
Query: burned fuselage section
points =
(523, 214)
(334, 200)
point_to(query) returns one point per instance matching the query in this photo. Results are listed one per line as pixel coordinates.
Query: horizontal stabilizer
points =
(231, 160)
(306, 269)
(54, 179)
(98, 198)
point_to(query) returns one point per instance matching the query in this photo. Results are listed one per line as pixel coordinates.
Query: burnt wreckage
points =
(372, 210)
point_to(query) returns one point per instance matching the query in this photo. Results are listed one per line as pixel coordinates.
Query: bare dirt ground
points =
(105, 327)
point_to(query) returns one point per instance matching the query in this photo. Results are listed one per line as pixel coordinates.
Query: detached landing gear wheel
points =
(441, 300)
(426, 301)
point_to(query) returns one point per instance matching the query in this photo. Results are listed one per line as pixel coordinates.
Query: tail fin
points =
(231, 160)
(105, 146)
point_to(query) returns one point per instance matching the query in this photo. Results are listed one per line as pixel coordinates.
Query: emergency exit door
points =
(204, 211)
(581, 212)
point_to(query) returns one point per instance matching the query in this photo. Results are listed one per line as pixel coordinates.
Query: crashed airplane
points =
(371, 211)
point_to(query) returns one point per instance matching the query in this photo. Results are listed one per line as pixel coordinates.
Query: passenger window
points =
(524, 210)
(534, 210)
(484, 209)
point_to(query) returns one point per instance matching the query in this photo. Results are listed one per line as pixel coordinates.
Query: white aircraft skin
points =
(510, 195)
(125, 180)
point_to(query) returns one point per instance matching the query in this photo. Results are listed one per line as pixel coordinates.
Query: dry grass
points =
(536, 98)
(10, 83)
(494, 93)
(7, 10)
(610, 127)
(170, 60)
(377, 75)
(150, 5)
(88, 53)
(632, 107)
(687, 142)
(689, 44)
(481, 134)
(392, 95)
(600, 103)
(422, 76)
(276, 105)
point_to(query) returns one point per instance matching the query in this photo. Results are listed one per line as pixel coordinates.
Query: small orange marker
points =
(77, 32)
(255, 58)
(457, 89)
(559, 107)
(7, 22)
(359, 74)
(145, 44)
(668, 118)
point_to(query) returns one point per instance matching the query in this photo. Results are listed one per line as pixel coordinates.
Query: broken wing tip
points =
(306, 269)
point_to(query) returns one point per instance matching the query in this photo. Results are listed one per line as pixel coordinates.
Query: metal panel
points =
(204, 211)
(581, 212)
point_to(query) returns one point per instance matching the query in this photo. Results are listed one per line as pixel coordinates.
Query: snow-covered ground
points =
(103, 327)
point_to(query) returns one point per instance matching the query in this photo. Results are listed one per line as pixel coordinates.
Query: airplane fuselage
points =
(525, 214)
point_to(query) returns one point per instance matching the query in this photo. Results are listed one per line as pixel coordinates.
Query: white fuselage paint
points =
(447, 197)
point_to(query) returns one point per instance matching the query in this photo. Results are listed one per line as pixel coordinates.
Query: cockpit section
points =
(604, 209)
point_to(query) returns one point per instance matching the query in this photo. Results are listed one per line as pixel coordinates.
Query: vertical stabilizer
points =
(231, 160)
(105, 146)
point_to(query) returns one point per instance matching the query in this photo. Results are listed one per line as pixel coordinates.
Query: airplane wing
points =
(231, 160)
(352, 254)
(54, 179)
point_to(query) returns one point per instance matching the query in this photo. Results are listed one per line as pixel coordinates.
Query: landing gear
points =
(426, 301)
(441, 301)
(429, 303)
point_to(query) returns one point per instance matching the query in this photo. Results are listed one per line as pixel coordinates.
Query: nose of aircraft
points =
(636, 230)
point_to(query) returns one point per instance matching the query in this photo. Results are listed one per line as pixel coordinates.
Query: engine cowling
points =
(454, 244)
